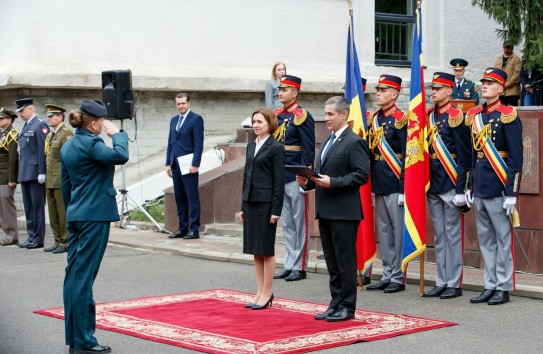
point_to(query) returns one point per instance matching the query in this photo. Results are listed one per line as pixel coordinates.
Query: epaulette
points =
(400, 119)
(369, 117)
(471, 114)
(456, 117)
(13, 134)
(300, 115)
(279, 110)
(430, 109)
(509, 113)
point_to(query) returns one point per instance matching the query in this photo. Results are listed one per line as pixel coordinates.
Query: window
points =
(394, 21)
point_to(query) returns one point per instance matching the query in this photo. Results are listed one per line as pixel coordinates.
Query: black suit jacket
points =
(347, 164)
(263, 179)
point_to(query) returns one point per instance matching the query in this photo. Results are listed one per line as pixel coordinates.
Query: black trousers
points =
(338, 239)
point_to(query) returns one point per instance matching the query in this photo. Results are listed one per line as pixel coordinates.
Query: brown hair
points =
(183, 95)
(80, 120)
(270, 117)
(274, 67)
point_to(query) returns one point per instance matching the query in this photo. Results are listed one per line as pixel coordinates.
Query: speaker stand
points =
(125, 196)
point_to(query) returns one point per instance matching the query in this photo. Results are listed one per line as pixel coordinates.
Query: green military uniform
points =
(57, 211)
(9, 167)
(464, 89)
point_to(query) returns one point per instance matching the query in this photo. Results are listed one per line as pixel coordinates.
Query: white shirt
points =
(259, 144)
(338, 134)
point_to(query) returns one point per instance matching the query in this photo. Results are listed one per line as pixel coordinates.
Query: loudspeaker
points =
(117, 94)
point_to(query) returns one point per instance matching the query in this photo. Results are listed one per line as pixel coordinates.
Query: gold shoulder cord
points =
(12, 136)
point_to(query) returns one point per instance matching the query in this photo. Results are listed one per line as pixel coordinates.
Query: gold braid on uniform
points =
(299, 120)
(280, 132)
(480, 138)
(506, 119)
(12, 136)
(469, 120)
(456, 121)
(399, 124)
(375, 138)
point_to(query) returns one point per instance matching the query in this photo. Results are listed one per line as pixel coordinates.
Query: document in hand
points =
(184, 163)
(302, 170)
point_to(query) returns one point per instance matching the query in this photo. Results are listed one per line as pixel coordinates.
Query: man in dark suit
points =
(186, 137)
(32, 171)
(343, 166)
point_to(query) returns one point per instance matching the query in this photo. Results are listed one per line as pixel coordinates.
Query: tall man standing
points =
(497, 171)
(9, 166)
(343, 166)
(511, 64)
(55, 203)
(450, 165)
(297, 133)
(388, 137)
(186, 136)
(32, 171)
(463, 88)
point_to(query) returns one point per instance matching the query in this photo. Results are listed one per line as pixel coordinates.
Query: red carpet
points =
(215, 321)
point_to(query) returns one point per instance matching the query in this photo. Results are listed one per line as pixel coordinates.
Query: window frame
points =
(396, 18)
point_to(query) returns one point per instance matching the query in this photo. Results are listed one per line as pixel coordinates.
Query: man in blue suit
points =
(32, 171)
(186, 137)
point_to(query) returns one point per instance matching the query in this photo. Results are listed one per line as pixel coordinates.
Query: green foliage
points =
(521, 19)
(155, 208)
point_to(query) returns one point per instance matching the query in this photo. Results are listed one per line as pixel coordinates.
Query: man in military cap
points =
(32, 171)
(511, 64)
(297, 133)
(450, 165)
(56, 138)
(497, 171)
(463, 88)
(388, 137)
(9, 165)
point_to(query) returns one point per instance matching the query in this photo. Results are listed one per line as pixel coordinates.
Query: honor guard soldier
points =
(9, 165)
(463, 89)
(388, 137)
(450, 165)
(497, 170)
(297, 133)
(32, 171)
(57, 212)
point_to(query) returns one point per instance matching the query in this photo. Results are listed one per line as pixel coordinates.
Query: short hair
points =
(273, 76)
(270, 117)
(183, 95)
(339, 102)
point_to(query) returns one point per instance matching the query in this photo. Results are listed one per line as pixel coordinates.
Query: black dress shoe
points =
(34, 245)
(262, 307)
(96, 349)
(380, 285)
(451, 293)
(178, 234)
(435, 292)
(191, 236)
(23, 245)
(366, 280)
(296, 275)
(484, 297)
(282, 274)
(60, 249)
(341, 315)
(249, 305)
(50, 248)
(322, 316)
(499, 297)
(394, 288)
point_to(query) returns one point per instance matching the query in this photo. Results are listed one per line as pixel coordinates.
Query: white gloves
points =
(373, 200)
(459, 200)
(509, 204)
(401, 199)
(41, 179)
(469, 198)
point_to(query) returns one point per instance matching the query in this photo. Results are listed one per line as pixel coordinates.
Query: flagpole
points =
(421, 278)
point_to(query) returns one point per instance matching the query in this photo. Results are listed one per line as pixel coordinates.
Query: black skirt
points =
(258, 232)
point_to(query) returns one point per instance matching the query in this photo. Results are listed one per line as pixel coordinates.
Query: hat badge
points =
(382, 78)
(488, 71)
(436, 76)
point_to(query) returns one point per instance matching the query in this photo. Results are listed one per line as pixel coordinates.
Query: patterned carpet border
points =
(368, 325)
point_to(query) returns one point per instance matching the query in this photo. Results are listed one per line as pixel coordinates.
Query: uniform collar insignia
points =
(292, 107)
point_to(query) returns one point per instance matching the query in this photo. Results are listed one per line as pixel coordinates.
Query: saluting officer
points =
(450, 165)
(388, 137)
(9, 166)
(297, 133)
(32, 171)
(497, 170)
(463, 89)
(57, 212)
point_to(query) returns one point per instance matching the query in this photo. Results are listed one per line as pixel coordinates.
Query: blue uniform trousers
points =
(34, 204)
(86, 246)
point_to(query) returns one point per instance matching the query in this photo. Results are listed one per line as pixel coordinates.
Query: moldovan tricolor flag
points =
(365, 240)
(416, 169)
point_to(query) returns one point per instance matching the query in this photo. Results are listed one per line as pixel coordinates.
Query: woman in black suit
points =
(262, 201)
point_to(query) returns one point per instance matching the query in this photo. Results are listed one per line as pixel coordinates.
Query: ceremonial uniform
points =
(463, 89)
(57, 211)
(450, 164)
(31, 167)
(297, 133)
(497, 171)
(9, 161)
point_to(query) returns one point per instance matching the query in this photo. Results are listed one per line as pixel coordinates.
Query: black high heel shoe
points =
(249, 305)
(262, 307)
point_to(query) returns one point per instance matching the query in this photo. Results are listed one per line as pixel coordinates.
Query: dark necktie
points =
(458, 85)
(329, 146)
(179, 123)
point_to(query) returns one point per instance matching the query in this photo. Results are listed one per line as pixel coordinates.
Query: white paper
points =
(184, 163)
